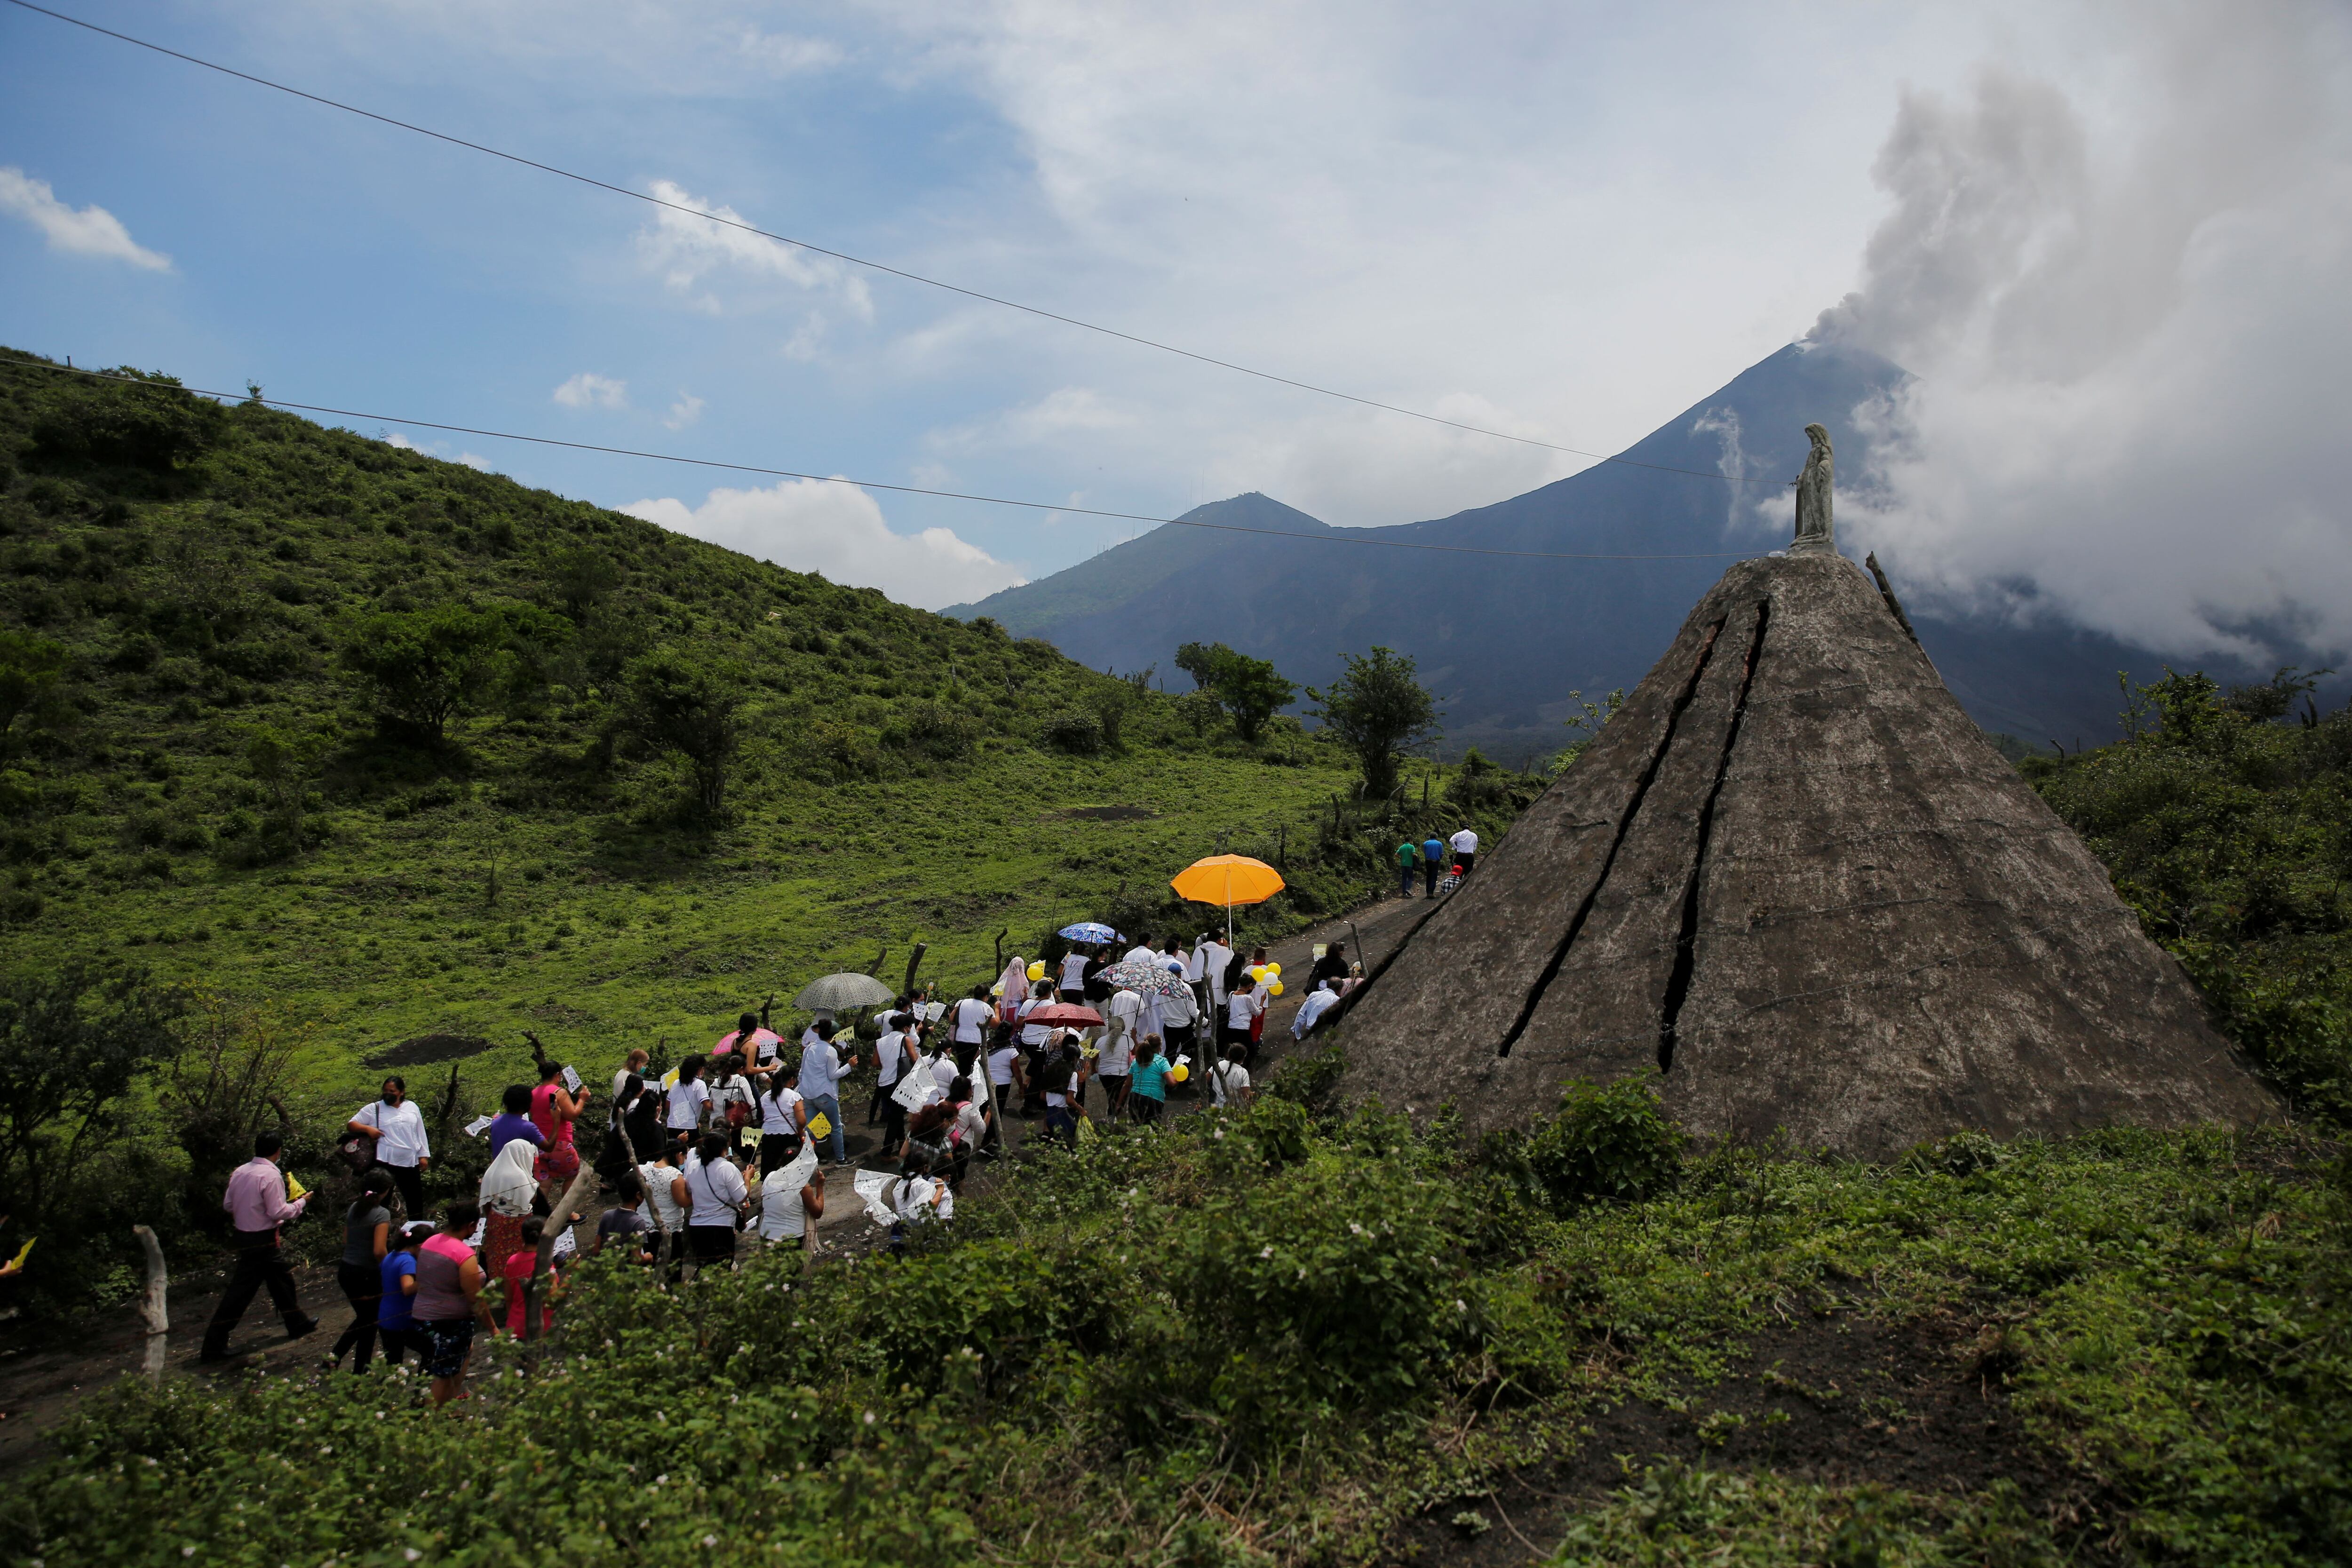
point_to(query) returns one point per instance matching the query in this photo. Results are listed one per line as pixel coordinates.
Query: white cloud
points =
(787, 54)
(93, 231)
(2132, 341)
(435, 450)
(815, 525)
(589, 390)
(687, 250)
(685, 411)
(1069, 411)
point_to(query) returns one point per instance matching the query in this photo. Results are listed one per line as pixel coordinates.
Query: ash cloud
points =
(2126, 316)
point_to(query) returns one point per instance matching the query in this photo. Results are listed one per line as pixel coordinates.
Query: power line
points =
(860, 484)
(861, 261)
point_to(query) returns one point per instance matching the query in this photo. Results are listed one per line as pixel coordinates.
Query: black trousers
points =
(362, 1287)
(259, 1262)
(410, 1183)
(1430, 871)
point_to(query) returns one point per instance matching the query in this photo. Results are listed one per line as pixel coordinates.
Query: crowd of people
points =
(735, 1142)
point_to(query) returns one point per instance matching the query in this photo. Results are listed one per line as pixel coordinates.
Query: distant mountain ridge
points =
(1503, 638)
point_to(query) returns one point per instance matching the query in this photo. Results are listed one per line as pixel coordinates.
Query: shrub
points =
(1074, 732)
(1607, 1142)
(1327, 1289)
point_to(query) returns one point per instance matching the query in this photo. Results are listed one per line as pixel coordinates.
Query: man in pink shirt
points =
(257, 1205)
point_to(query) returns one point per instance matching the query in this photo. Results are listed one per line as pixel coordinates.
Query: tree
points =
(428, 666)
(1379, 711)
(1249, 689)
(30, 670)
(143, 421)
(283, 766)
(678, 701)
(71, 1042)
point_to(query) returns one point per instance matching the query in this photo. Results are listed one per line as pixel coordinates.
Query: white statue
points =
(1815, 533)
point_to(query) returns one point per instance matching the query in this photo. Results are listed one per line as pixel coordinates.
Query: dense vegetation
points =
(2226, 820)
(311, 746)
(1271, 1337)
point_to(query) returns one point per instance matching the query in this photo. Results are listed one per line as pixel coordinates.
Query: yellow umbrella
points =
(1229, 881)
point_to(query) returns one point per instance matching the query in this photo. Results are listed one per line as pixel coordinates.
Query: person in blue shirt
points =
(1147, 1087)
(515, 1122)
(1433, 862)
(395, 1317)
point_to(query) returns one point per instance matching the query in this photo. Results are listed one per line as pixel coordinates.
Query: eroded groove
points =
(1624, 825)
(1678, 983)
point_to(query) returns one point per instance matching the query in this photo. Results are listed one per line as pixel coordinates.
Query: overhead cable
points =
(1334, 538)
(885, 267)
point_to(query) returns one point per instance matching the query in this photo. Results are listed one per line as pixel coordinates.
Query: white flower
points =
(870, 1419)
(412, 1555)
(187, 1552)
(1461, 1306)
(1262, 1252)
(1355, 1229)
(711, 1540)
(659, 1480)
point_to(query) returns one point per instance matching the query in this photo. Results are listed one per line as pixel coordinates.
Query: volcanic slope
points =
(1502, 639)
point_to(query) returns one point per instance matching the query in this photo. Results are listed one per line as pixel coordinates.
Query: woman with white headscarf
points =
(508, 1187)
(1012, 988)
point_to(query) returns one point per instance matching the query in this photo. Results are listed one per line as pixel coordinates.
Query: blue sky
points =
(1568, 221)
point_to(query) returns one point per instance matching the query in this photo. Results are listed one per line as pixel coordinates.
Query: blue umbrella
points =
(1089, 930)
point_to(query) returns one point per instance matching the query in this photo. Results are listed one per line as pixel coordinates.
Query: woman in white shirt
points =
(783, 1115)
(666, 1191)
(1242, 1010)
(787, 1204)
(716, 1195)
(689, 1098)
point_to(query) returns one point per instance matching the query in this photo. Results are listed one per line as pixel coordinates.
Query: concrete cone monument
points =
(1791, 878)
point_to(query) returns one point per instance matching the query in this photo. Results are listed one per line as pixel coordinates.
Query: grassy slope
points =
(1263, 1338)
(204, 604)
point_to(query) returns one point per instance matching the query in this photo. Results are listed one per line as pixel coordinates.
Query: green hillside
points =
(203, 778)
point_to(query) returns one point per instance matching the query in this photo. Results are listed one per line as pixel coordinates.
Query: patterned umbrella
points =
(1089, 930)
(1145, 980)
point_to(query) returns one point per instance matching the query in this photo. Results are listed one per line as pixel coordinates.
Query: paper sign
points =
(818, 1126)
(479, 1125)
(19, 1260)
(803, 1165)
(934, 1011)
(916, 1087)
(875, 1188)
(564, 1245)
(572, 1080)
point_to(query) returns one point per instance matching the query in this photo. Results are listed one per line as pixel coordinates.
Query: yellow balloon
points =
(1258, 972)
(1275, 989)
(1181, 1073)
(1037, 970)
(1274, 968)
(997, 989)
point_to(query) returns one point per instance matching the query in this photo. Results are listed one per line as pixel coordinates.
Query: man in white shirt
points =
(1140, 953)
(889, 1055)
(1310, 1012)
(397, 1130)
(820, 1085)
(1465, 845)
(1214, 956)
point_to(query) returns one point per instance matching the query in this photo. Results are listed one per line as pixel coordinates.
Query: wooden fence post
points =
(574, 1195)
(156, 1307)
